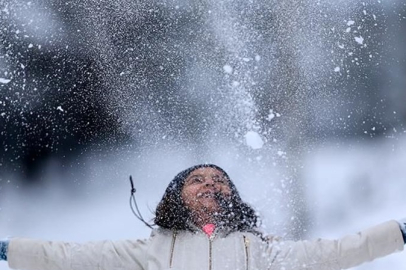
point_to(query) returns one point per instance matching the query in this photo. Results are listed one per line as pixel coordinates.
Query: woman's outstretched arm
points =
(29, 254)
(343, 253)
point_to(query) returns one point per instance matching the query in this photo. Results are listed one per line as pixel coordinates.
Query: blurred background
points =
(302, 102)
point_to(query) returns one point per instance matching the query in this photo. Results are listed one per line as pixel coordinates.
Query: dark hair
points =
(171, 212)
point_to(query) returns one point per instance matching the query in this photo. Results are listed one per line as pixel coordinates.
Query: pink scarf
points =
(209, 229)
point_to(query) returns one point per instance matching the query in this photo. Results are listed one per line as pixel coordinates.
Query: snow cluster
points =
(253, 140)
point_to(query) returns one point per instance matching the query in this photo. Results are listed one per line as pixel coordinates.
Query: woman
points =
(204, 224)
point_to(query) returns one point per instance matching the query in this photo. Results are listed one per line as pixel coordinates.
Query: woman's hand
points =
(3, 250)
(402, 224)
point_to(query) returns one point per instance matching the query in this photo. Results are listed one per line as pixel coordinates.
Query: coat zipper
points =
(247, 247)
(172, 248)
(211, 251)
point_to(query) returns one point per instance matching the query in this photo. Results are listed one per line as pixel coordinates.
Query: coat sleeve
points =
(343, 253)
(28, 254)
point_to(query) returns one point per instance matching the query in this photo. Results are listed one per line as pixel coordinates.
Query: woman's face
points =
(201, 188)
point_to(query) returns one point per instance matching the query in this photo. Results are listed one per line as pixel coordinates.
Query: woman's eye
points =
(197, 180)
(219, 179)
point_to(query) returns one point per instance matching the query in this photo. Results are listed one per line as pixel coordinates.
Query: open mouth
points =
(206, 194)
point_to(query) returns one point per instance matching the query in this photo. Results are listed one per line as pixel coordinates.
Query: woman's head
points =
(204, 189)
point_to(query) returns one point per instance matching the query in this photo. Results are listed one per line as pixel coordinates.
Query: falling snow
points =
(359, 40)
(253, 140)
(349, 23)
(4, 81)
(280, 95)
(228, 69)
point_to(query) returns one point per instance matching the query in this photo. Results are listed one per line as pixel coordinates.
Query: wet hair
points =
(171, 212)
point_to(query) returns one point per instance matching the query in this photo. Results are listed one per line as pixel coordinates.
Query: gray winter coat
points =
(185, 250)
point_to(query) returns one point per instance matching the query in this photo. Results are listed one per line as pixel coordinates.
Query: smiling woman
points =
(201, 194)
(204, 194)
(204, 224)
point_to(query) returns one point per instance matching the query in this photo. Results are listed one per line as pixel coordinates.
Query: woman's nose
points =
(209, 182)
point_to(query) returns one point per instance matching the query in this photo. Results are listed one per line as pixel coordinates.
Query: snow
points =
(347, 188)
(235, 83)
(281, 153)
(271, 116)
(228, 69)
(350, 22)
(4, 81)
(359, 40)
(253, 140)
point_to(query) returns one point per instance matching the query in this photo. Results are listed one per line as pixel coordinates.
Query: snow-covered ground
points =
(349, 186)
